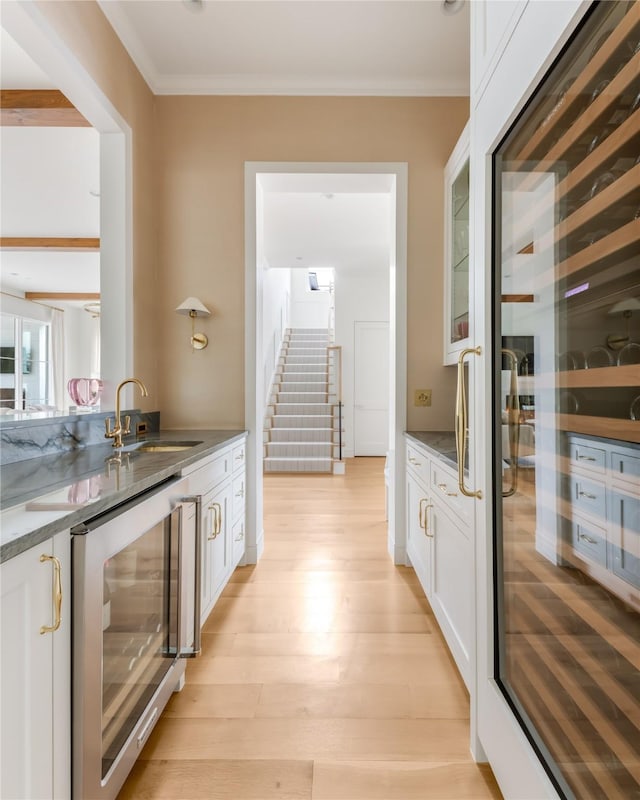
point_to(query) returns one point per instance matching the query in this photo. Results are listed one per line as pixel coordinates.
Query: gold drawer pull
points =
(240, 535)
(586, 458)
(587, 538)
(240, 456)
(57, 594)
(240, 492)
(445, 489)
(412, 460)
(588, 495)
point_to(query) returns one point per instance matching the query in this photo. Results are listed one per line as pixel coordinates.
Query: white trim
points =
(398, 349)
(26, 23)
(300, 87)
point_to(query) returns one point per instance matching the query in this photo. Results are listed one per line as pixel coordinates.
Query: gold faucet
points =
(121, 430)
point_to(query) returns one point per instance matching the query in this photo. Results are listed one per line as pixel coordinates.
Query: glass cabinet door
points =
(457, 201)
(566, 393)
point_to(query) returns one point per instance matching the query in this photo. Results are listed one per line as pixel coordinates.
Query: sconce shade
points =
(192, 304)
(630, 304)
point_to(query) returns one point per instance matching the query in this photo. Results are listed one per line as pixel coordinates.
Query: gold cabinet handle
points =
(586, 458)
(57, 594)
(240, 456)
(217, 520)
(513, 419)
(240, 535)
(412, 460)
(587, 538)
(421, 519)
(461, 421)
(588, 495)
(445, 490)
(240, 492)
(426, 521)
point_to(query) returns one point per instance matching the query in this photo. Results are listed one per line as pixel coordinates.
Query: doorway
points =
(394, 177)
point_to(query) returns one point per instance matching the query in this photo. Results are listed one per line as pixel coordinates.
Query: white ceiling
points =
(295, 47)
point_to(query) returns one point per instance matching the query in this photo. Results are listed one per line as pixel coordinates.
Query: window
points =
(25, 363)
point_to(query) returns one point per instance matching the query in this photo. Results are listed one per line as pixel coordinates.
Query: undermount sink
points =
(158, 446)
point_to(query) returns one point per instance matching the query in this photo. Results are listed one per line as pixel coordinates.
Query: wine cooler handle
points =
(461, 422)
(513, 422)
(197, 639)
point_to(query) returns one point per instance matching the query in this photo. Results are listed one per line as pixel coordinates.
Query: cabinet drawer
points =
(444, 488)
(418, 463)
(589, 541)
(625, 467)
(237, 497)
(588, 496)
(210, 474)
(587, 456)
(238, 456)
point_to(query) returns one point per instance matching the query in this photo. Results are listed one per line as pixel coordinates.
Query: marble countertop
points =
(439, 443)
(43, 496)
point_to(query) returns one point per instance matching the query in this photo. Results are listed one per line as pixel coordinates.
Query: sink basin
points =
(158, 446)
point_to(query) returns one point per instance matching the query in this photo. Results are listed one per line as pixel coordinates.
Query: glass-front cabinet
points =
(566, 411)
(456, 272)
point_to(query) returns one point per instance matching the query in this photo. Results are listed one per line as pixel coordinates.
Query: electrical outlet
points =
(422, 397)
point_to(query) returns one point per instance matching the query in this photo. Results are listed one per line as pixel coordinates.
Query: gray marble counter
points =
(439, 443)
(43, 496)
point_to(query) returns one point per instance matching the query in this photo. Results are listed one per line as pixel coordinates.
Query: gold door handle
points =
(57, 594)
(426, 521)
(445, 490)
(513, 422)
(217, 521)
(412, 460)
(588, 495)
(587, 538)
(461, 422)
(586, 458)
(421, 519)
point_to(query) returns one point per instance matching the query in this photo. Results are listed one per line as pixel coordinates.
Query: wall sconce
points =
(626, 308)
(194, 308)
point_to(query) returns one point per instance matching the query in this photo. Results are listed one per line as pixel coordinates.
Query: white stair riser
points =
(298, 465)
(301, 435)
(296, 449)
(301, 421)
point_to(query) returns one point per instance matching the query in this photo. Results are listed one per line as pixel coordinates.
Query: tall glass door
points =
(566, 393)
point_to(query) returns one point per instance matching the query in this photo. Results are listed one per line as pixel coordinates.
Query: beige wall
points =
(85, 30)
(202, 144)
(188, 158)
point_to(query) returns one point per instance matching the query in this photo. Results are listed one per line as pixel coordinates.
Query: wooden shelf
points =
(624, 237)
(627, 375)
(578, 88)
(627, 430)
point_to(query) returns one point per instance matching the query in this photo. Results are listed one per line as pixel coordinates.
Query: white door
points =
(371, 389)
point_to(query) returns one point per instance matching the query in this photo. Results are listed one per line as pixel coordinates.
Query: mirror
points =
(50, 184)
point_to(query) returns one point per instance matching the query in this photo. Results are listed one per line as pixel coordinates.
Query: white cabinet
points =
(36, 673)
(220, 482)
(439, 548)
(456, 251)
(603, 526)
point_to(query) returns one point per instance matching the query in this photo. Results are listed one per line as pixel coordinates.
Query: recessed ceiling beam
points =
(62, 295)
(39, 108)
(72, 243)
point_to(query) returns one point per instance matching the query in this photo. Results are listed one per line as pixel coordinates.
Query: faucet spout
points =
(119, 430)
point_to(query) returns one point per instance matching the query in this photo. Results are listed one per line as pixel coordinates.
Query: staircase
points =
(299, 424)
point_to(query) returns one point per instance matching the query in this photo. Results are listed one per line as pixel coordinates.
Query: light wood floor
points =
(324, 675)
